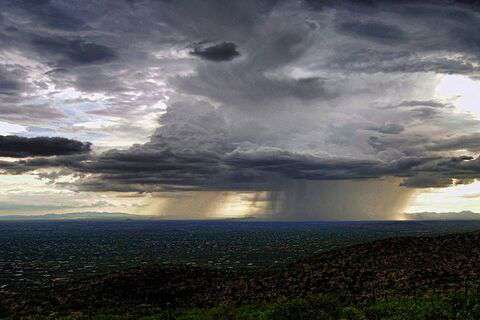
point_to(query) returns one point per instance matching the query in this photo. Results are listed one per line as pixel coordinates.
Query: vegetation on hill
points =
(397, 278)
(323, 307)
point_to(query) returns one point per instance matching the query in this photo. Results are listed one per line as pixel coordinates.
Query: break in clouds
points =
(312, 109)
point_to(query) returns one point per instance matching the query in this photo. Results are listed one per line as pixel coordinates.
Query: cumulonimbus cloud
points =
(279, 91)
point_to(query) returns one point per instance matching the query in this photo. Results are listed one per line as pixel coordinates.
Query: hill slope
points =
(392, 267)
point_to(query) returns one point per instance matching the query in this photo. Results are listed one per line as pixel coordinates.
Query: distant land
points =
(462, 215)
(78, 216)
(92, 215)
(430, 275)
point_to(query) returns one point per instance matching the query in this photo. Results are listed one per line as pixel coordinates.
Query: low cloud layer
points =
(21, 147)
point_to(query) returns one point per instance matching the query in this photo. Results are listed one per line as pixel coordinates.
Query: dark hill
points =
(392, 267)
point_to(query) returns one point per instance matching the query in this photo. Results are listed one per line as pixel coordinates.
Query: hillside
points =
(394, 267)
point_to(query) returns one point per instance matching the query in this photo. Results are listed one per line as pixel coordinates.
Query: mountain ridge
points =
(87, 215)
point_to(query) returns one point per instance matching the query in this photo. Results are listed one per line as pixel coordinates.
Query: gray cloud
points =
(29, 114)
(282, 92)
(8, 86)
(74, 52)
(389, 128)
(375, 31)
(424, 103)
(465, 142)
(50, 15)
(427, 181)
(21, 147)
(224, 51)
(11, 81)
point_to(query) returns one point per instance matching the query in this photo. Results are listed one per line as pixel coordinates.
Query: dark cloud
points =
(98, 82)
(21, 147)
(74, 52)
(444, 172)
(469, 142)
(303, 166)
(51, 14)
(375, 31)
(68, 164)
(224, 51)
(168, 163)
(11, 80)
(252, 82)
(427, 181)
(366, 60)
(8, 86)
(424, 103)
(82, 52)
(325, 4)
(160, 170)
(250, 89)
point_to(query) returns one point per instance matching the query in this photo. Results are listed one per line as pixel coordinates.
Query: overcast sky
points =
(204, 108)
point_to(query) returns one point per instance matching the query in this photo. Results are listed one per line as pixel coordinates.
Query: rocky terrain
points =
(403, 266)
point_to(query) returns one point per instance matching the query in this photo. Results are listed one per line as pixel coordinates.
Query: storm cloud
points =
(74, 52)
(224, 51)
(280, 97)
(378, 32)
(21, 147)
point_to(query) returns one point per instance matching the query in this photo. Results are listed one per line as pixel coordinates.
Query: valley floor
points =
(417, 277)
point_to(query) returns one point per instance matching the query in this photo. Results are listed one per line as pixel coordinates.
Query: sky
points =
(306, 110)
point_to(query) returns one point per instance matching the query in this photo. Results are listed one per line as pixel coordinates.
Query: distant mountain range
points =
(462, 215)
(92, 215)
(79, 216)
